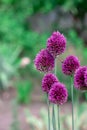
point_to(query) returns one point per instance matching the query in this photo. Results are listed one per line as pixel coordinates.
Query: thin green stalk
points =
(53, 118)
(55, 70)
(57, 105)
(77, 106)
(53, 108)
(72, 96)
(58, 117)
(48, 105)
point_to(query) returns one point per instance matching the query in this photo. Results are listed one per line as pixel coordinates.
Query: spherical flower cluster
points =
(85, 76)
(58, 94)
(70, 64)
(79, 78)
(56, 44)
(44, 61)
(47, 82)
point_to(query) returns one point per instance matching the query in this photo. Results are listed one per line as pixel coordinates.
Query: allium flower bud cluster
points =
(80, 78)
(58, 94)
(44, 61)
(47, 82)
(70, 64)
(56, 44)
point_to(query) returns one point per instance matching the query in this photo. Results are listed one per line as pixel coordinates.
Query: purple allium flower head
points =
(56, 44)
(70, 64)
(47, 81)
(58, 94)
(85, 76)
(44, 61)
(79, 78)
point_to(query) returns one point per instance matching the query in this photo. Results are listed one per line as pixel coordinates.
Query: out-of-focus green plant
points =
(34, 122)
(13, 32)
(9, 64)
(65, 119)
(24, 89)
(74, 39)
(80, 118)
(15, 121)
(33, 42)
(30, 7)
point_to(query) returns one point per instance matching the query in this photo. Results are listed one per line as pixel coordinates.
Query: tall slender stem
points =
(55, 70)
(48, 106)
(77, 106)
(53, 116)
(72, 95)
(53, 108)
(57, 105)
(53, 119)
(58, 117)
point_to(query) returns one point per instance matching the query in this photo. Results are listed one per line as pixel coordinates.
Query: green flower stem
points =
(53, 118)
(55, 70)
(48, 105)
(77, 106)
(58, 117)
(57, 105)
(53, 108)
(72, 96)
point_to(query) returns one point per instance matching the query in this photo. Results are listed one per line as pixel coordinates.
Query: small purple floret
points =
(85, 76)
(44, 61)
(70, 64)
(58, 94)
(47, 81)
(79, 78)
(56, 44)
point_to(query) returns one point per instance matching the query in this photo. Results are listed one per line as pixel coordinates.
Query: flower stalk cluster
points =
(56, 91)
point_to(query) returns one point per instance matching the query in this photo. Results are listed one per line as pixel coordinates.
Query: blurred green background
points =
(25, 26)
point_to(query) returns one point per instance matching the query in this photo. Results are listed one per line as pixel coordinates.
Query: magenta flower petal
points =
(47, 82)
(56, 44)
(79, 78)
(44, 61)
(58, 94)
(70, 64)
(85, 76)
